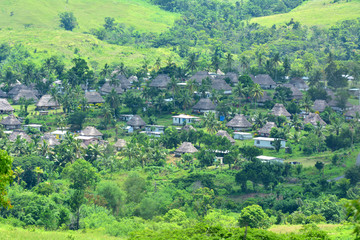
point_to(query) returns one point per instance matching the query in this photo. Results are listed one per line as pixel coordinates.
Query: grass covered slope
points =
(323, 13)
(89, 13)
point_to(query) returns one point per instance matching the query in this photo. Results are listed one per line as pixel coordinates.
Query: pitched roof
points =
(320, 105)
(313, 118)
(199, 76)
(239, 121)
(161, 81)
(266, 128)
(50, 139)
(5, 105)
(225, 134)
(94, 97)
(220, 85)
(10, 120)
(120, 143)
(107, 88)
(204, 104)
(16, 89)
(47, 101)
(296, 93)
(265, 97)
(234, 77)
(136, 121)
(186, 147)
(2, 94)
(352, 111)
(27, 94)
(299, 83)
(125, 83)
(90, 131)
(263, 79)
(188, 127)
(13, 136)
(280, 110)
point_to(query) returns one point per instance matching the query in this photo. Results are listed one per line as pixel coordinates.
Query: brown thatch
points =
(234, 77)
(265, 97)
(296, 93)
(204, 104)
(299, 83)
(280, 110)
(320, 105)
(50, 139)
(313, 118)
(264, 80)
(120, 143)
(225, 134)
(136, 122)
(94, 97)
(16, 89)
(124, 82)
(27, 94)
(133, 79)
(107, 88)
(186, 147)
(91, 131)
(161, 81)
(188, 128)
(265, 130)
(47, 102)
(220, 85)
(199, 76)
(352, 112)
(11, 120)
(3, 94)
(239, 122)
(5, 106)
(22, 135)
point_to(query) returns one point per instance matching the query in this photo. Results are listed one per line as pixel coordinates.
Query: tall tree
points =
(6, 177)
(68, 21)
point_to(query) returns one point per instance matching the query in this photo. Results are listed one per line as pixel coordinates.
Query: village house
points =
(135, 123)
(221, 86)
(199, 76)
(204, 105)
(27, 95)
(280, 110)
(265, 142)
(186, 147)
(107, 88)
(265, 81)
(11, 123)
(351, 113)
(267, 159)
(5, 106)
(59, 134)
(320, 105)
(183, 119)
(188, 128)
(265, 130)
(120, 144)
(314, 119)
(3, 94)
(296, 93)
(239, 123)
(154, 130)
(19, 87)
(34, 126)
(50, 139)
(94, 98)
(161, 81)
(91, 132)
(19, 134)
(46, 102)
(225, 134)
(264, 98)
(242, 136)
(299, 83)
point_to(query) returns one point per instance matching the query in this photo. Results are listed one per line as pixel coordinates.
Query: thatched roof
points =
(296, 93)
(94, 97)
(27, 94)
(188, 128)
(266, 128)
(50, 139)
(220, 85)
(204, 104)
(265, 97)
(320, 105)
(186, 147)
(120, 143)
(133, 79)
(91, 131)
(234, 77)
(107, 88)
(125, 83)
(10, 120)
(3, 94)
(313, 118)
(161, 81)
(16, 89)
(263, 79)
(47, 101)
(5, 105)
(352, 111)
(225, 134)
(299, 83)
(280, 110)
(199, 76)
(15, 134)
(136, 121)
(239, 121)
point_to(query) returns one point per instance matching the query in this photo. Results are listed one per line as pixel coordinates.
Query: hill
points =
(316, 12)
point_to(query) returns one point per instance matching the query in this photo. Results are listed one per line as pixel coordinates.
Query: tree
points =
(276, 144)
(229, 61)
(192, 63)
(256, 92)
(80, 73)
(68, 21)
(253, 216)
(206, 158)
(81, 174)
(6, 177)
(211, 123)
(319, 165)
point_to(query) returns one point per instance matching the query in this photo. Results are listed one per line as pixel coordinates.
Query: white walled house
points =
(242, 136)
(182, 119)
(267, 159)
(264, 142)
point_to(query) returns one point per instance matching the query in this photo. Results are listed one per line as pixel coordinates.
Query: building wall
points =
(267, 144)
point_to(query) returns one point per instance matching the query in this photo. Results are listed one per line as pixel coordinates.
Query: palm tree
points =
(38, 171)
(18, 171)
(211, 123)
(256, 92)
(157, 64)
(296, 123)
(174, 87)
(186, 99)
(55, 96)
(192, 63)
(259, 120)
(229, 61)
(336, 123)
(307, 103)
(244, 61)
(276, 61)
(239, 92)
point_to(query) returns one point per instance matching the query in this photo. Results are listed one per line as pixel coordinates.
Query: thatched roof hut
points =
(280, 110)
(136, 122)
(107, 88)
(188, 128)
(3, 94)
(22, 135)
(120, 143)
(47, 102)
(352, 112)
(124, 82)
(296, 93)
(220, 85)
(16, 89)
(161, 81)
(11, 122)
(299, 83)
(50, 139)
(320, 105)
(264, 80)
(265, 130)
(5, 106)
(199, 76)
(225, 134)
(27, 94)
(239, 122)
(204, 105)
(314, 118)
(234, 77)
(186, 147)
(94, 98)
(91, 132)
(265, 97)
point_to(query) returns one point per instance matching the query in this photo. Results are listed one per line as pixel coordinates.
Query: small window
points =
(257, 141)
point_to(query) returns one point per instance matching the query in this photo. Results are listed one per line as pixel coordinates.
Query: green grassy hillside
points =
(316, 12)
